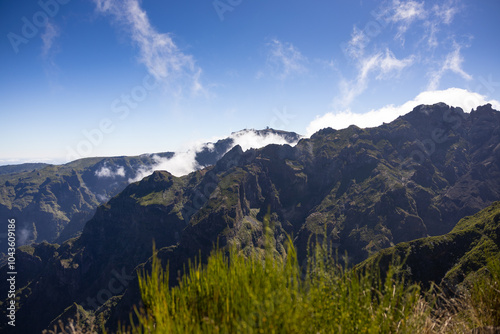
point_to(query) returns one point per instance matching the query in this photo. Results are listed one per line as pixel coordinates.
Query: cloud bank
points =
(455, 97)
(183, 163)
(251, 139)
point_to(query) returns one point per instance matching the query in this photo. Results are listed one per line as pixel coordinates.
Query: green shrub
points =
(267, 293)
(483, 297)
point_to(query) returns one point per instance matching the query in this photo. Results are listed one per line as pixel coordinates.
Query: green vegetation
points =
(263, 290)
(235, 294)
(484, 295)
(452, 259)
(269, 293)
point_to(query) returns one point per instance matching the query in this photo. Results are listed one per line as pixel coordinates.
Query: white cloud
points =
(453, 63)
(23, 236)
(158, 52)
(439, 15)
(404, 13)
(183, 163)
(446, 12)
(356, 46)
(351, 89)
(384, 64)
(285, 59)
(453, 96)
(106, 171)
(396, 17)
(102, 198)
(408, 11)
(431, 36)
(48, 37)
(250, 139)
(390, 66)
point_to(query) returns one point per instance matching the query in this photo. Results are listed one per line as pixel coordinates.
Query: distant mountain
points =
(53, 202)
(12, 169)
(365, 189)
(46, 201)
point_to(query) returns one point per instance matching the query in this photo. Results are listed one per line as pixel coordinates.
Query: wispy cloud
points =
(390, 66)
(404, 14)
(384, 65)
(408, 11)
(285, 59)
(180, 164)
(48, 37)
(374, 59)
(251, 139)
(48, 51)
(356, 46)
(453, 96)
(157, 51)
(440, 15)
(452, 63)
(447, 11)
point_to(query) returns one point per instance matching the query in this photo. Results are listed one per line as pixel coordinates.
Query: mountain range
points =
(53, 202)
(364, 190)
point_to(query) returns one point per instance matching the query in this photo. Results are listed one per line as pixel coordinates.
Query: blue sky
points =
(107, 77)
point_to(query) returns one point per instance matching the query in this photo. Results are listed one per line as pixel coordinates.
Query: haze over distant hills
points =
(364, 189)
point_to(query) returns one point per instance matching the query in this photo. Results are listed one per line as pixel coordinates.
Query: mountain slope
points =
(45, 201)
(12, 169)
(368, 189)
(452, 258)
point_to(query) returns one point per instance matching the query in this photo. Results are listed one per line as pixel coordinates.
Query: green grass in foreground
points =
(266, 293)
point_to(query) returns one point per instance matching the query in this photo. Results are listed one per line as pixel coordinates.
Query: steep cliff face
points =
(365, 189)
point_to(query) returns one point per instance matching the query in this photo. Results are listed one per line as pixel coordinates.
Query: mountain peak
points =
(433, 109)
(429, 115)
(486, 109)
(231, 158)
(287, 135)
